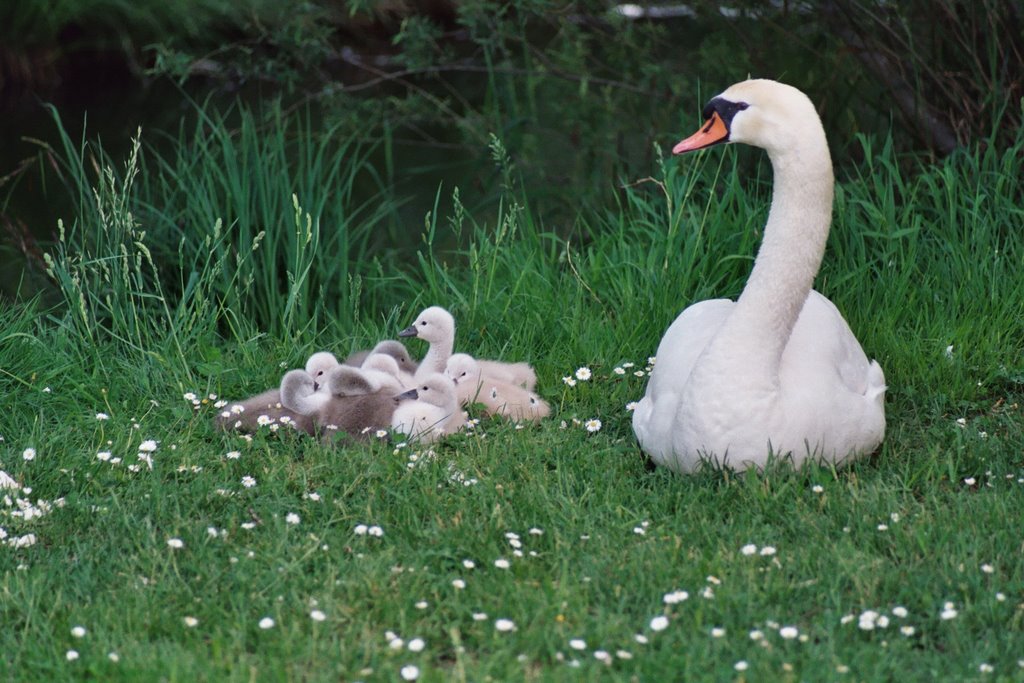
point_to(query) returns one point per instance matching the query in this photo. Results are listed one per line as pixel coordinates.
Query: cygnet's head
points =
(381, 362)
(298, 392)
(759, 112)
(397, 350)
(434, 324)
(462, 366)
(318, 365)
(345, 380)
(435, 389)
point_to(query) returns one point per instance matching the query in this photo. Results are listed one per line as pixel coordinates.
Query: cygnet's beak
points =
(316, 386)
(408, 332)
(409, 395)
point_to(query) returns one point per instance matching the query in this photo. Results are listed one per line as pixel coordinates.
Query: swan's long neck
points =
(789, 257)
(437, 357)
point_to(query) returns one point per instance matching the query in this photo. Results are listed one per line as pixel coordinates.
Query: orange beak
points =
(713, 132)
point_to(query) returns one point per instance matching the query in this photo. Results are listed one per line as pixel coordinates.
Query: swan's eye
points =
(423, 324)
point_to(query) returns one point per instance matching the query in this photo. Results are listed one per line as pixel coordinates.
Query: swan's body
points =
(778, 371)
(474, 385)
(352, 406)
(430, 411)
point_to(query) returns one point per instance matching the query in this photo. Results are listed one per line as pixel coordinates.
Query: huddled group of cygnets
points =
(385, 389)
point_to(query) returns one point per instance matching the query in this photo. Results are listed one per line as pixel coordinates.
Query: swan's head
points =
(434, 324)
(435, 389)
(462, 366)
(396, 350)
(758, 112)
(318, 365)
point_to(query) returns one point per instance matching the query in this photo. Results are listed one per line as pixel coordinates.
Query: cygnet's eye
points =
(494, 393)
(423, 323)
(532, 400)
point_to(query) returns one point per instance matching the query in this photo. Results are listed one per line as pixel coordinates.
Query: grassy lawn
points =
(142, 544)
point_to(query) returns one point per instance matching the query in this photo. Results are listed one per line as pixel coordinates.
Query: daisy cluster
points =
(584, 375)
(17, 508)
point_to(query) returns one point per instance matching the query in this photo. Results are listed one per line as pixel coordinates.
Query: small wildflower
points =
(375, 531)
(114, 657)
(899, 611)
(103, 456)
(675, 597)
(948, 612)
(30, 454)
(360, 529)
(189, 396)
(422, 604)
(756, 635)
(502, 563)
(458, 584)
(416, 645)
(479, 616)
(317, 615)
(248, 482)
(102, 416)
(191, 622)
(504, 625)
(907, 630)
(410, 672)
(970, 481)
(569, 381)
(717, 632)
(593, 425)
(233, 455)
(749, 549)
(818, 488)
(578, 644)
(71, 655)
(988, 569)
(292, 518)
(176, 543)
(619, 371)
(266, 623)
(883, 527)
(631, 406)
(740, 665)
(147, 446)
(986, 668)
(78, 631)
(468, 564)
(583, 374)
(263, 420)
(789, 632)
(767, 550)
(659, 623)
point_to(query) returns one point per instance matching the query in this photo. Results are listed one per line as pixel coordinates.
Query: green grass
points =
(917, 261)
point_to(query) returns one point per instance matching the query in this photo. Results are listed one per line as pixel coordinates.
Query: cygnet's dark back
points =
(356, 417)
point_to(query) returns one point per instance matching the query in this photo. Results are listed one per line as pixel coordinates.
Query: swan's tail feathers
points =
(876, 383)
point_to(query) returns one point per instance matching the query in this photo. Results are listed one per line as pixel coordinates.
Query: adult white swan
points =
(778, 371)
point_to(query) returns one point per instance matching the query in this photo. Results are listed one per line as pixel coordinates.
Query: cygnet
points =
(430, 411)
(473, 385)
(436, 326)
